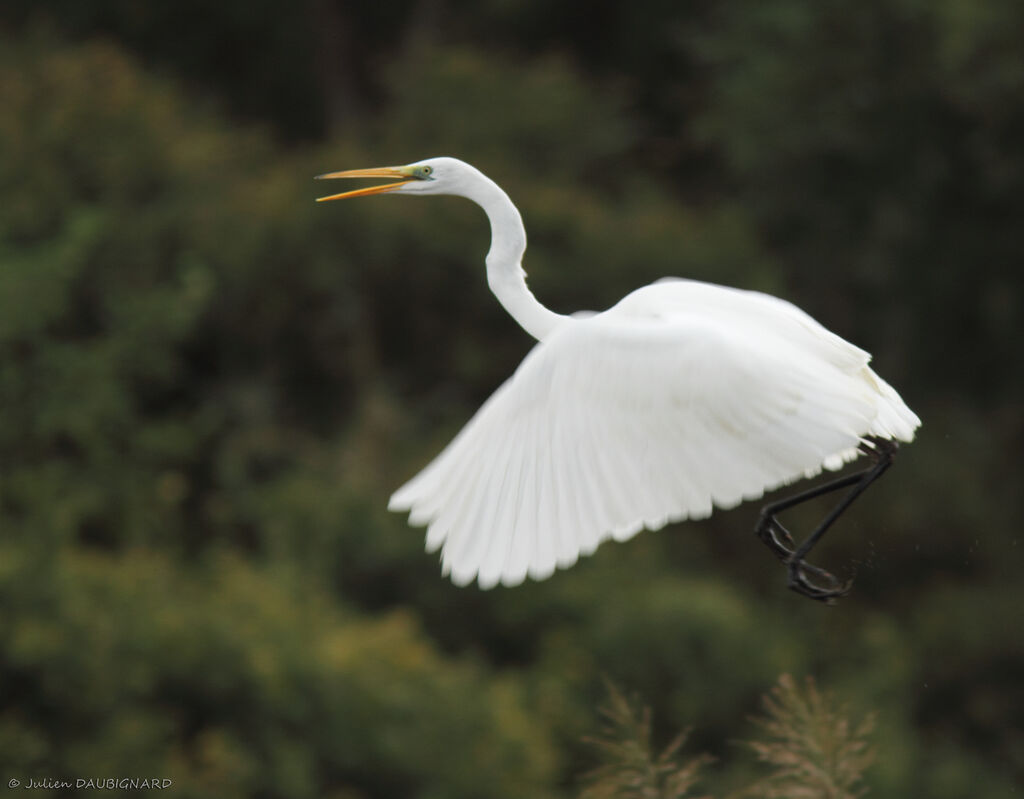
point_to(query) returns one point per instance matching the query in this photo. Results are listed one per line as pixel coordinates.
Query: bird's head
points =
(430, 176)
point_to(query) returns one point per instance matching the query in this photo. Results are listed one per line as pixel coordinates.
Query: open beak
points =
(400, 174)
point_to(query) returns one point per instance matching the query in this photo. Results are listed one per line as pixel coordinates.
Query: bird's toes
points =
(784, 533)
(828, 593)
(776, 537)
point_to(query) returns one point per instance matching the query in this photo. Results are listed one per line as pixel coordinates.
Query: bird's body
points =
(682, 397)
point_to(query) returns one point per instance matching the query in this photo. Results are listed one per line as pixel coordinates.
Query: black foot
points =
(804, 578)
(770, 530)
(798, 581)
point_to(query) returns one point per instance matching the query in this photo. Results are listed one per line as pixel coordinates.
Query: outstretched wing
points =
(683, 397)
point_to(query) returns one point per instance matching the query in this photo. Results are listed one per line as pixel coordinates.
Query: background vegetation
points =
(209, 384)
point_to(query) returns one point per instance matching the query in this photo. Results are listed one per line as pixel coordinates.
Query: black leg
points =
(769, 529)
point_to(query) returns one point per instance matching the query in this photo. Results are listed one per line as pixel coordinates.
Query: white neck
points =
(505, 274)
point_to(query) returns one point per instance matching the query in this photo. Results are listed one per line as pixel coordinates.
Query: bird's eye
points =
(427, 170)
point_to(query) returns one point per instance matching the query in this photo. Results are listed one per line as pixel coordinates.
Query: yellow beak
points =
(398, 173)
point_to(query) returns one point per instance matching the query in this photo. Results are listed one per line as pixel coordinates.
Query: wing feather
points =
(542, 564)
(561, 522)
(683, 397)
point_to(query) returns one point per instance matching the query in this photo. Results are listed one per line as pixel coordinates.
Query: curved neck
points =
(505, 275)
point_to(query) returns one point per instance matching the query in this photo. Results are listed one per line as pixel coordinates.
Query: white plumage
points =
(683, 397)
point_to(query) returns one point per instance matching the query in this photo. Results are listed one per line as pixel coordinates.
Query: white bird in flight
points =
(682, 397)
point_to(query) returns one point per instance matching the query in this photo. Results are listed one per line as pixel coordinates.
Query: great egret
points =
(683, 396)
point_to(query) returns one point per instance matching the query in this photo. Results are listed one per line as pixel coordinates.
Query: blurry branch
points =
(809, 741)
(631, 770)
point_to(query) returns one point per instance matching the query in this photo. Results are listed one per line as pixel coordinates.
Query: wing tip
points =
(398, 503)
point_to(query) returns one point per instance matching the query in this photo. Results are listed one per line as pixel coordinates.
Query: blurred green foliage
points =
(209, 384)
(242, 682)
